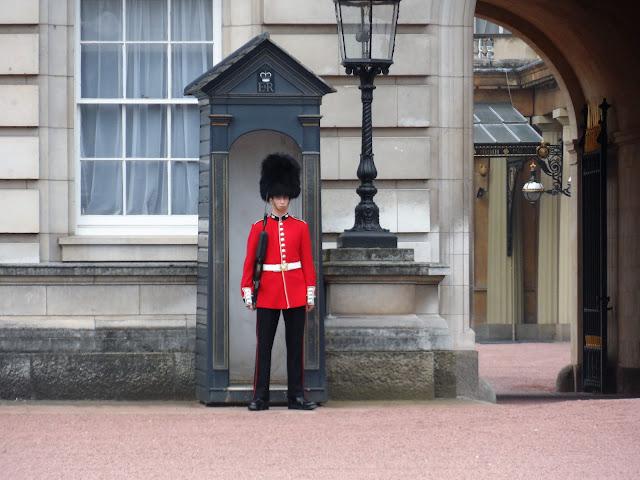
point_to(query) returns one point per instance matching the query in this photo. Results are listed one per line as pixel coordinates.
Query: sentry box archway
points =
(256, 101)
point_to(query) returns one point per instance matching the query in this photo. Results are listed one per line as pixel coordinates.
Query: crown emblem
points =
(265, 76)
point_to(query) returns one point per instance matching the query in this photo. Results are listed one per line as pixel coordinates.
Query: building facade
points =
(98, 165)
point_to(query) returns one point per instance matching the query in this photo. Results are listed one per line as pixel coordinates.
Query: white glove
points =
(311, 295)
(246, 296)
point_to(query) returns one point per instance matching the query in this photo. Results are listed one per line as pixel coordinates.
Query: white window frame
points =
(133, 225)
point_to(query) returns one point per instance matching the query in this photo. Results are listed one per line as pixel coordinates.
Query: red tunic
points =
(289, 241)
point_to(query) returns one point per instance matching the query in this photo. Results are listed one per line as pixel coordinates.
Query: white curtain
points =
(185, 143)
(146, 128)
(101, 20)
(146, 20)
(101, 187)
(147, 192)
(101, 181)
(192, 20)
(147, 187)
(101, 71)
(184, 194)
(147, 71)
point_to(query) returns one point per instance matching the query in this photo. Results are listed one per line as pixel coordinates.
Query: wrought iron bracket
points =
(549, 158)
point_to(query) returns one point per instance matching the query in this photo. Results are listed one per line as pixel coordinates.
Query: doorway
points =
(245, 208)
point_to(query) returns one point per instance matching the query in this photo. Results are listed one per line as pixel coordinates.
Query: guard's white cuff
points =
(246, 296)
(311, 295)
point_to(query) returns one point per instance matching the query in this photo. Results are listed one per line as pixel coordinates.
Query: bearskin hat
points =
(280, 175)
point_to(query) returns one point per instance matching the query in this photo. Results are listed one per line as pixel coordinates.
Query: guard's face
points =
(281, 204)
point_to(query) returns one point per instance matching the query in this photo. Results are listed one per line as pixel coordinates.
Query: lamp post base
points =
(367, 239)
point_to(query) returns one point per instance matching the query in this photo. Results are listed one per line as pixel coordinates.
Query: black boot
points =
(258, 404)
(301, 403)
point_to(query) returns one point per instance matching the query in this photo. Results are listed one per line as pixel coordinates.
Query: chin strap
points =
(264, 220)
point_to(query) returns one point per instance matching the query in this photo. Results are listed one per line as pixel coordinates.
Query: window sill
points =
(181, 248)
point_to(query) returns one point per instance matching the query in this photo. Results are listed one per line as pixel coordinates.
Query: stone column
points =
(568, 239)
(626, 301)
(451, 131)
(548, 233)
(569, 305)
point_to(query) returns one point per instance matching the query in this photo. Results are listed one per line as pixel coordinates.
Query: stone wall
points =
(99, 331)
(20, 120)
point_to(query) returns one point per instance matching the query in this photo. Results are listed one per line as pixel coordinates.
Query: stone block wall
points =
(99, 331)
(19, 123)
(385, 339)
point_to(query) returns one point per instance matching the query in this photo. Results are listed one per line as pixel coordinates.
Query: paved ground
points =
(458, 439)
(522, 367)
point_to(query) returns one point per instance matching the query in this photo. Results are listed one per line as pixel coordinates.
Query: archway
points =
(588, 45)
(520, 268)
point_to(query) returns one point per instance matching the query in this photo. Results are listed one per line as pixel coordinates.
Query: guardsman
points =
(287, 283)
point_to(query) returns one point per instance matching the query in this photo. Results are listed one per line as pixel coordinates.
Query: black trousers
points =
(266, 326)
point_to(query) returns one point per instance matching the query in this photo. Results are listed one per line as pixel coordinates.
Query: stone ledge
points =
(96, 322)
(368, 254)
(97, 269)
(379, 265)
(372, 272)
(130, 240)
(176, 248)
(401, 333)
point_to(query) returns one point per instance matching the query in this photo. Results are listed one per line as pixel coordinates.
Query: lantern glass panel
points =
(532, 190)
(533, 197)
(367, 29)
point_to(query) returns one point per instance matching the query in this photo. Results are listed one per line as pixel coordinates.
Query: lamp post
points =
(367, 33)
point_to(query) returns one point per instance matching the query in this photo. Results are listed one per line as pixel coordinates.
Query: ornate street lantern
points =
(367, 34)
(533, 190)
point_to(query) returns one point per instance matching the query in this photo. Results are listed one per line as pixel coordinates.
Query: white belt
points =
(281, 267)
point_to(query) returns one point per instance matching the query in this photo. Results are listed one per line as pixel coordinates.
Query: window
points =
(137, 136)
(485, 27)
